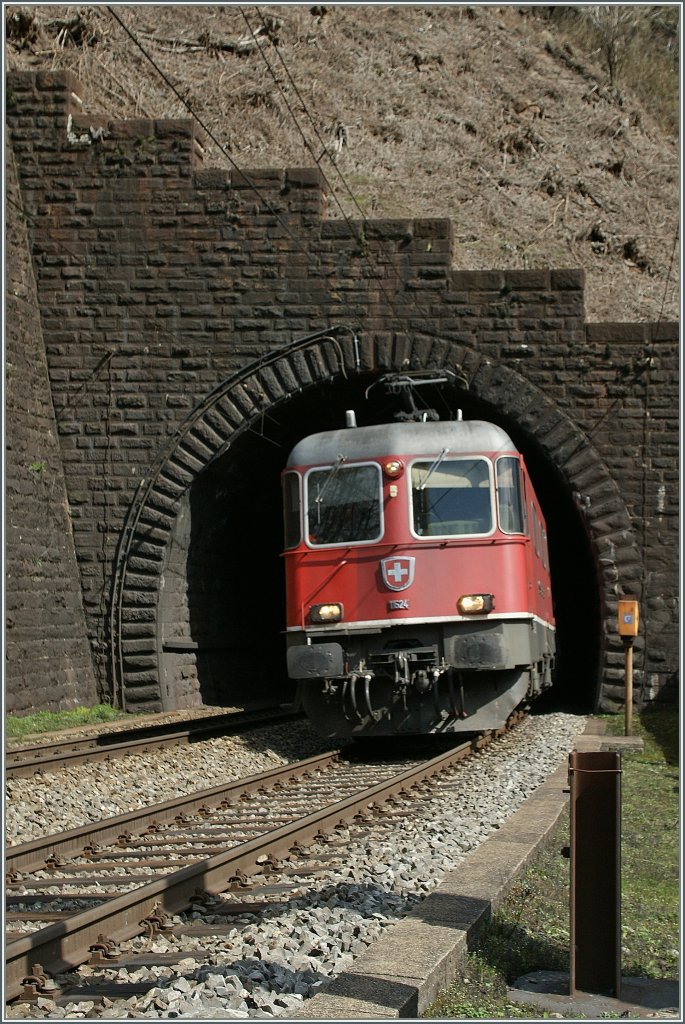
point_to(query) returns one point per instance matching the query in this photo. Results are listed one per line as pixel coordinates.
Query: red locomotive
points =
(417, 579)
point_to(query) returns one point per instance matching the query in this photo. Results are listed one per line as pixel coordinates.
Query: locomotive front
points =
(417, 579)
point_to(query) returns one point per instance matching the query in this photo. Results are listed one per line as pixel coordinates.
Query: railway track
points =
(72, 897)
(27, 759)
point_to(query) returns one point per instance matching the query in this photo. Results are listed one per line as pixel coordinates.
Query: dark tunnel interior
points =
(236, 597)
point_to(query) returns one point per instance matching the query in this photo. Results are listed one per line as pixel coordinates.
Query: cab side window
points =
(510, 504)
(292, 520)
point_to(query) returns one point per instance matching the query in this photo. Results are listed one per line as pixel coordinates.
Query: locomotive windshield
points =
(454, 498)
(344, 504)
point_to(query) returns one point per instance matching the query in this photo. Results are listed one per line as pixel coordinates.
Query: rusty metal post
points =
(595, 939)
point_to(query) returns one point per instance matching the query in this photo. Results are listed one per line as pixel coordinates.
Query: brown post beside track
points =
(595, 939)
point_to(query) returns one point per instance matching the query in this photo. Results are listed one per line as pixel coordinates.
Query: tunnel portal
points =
(220, 614)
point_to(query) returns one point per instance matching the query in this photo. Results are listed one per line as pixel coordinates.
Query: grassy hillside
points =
(547, 139)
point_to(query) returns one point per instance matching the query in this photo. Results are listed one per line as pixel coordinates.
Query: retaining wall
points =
(161, 283)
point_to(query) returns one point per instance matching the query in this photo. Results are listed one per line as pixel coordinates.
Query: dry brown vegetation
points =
(495, 117)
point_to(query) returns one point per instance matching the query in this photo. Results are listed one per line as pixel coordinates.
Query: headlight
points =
(475, 604)
(393, 468)
(326, 612)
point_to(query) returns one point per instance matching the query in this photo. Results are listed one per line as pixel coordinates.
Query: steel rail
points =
(66, 944)
(38, 852)
(27, 759)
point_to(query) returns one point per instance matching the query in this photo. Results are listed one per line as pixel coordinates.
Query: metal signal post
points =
(628, 625)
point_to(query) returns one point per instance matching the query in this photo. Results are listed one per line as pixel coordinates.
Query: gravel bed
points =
(73, 796)
(268, 964)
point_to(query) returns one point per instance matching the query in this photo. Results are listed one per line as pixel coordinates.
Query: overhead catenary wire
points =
(322, 142)
(324, 150)
(65, 248)
(426, 330)
(203, 125)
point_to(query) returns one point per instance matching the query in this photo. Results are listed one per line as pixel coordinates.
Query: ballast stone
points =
(354, 905)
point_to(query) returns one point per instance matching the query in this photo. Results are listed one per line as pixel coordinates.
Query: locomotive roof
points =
(458, 436)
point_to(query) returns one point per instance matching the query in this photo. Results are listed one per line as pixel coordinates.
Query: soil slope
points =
(484, 115)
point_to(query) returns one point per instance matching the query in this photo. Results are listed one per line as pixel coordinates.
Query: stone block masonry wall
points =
(158, 279)
(49, 664)
(629, 398)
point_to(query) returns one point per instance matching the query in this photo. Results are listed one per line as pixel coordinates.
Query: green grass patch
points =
(531, 931)
(650, 851)
(16, 727)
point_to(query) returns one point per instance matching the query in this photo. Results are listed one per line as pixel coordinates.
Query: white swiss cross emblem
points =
(398, 572)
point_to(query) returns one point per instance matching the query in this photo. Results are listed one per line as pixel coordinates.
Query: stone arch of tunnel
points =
(198, 596)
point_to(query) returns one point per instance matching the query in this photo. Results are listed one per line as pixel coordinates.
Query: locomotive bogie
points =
(469, 677)
(351, 708)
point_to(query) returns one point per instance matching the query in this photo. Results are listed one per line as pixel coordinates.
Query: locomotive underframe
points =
(453, 676)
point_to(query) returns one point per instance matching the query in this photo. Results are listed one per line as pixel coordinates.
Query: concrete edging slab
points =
(416, 959)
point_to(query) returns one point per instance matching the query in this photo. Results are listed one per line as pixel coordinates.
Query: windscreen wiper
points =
(319, 498)
(441, 456)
